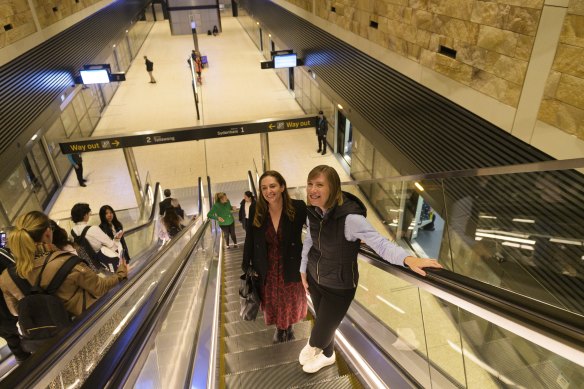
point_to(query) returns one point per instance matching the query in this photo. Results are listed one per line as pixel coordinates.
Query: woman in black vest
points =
(273, 245)
(337, 224)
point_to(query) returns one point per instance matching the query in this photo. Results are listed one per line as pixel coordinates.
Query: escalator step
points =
(287, 375)
(259, 358)
(231, 306)
(263, 338)
(349, 381)
(244, 327)
(233, 316)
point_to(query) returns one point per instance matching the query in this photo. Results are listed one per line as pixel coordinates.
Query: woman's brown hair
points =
(334, 181)
(261, 209)
(28, 231)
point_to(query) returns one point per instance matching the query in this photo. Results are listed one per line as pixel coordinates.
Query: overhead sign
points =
(150, 138)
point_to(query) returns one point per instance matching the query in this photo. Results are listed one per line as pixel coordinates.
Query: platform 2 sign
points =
(185, 134)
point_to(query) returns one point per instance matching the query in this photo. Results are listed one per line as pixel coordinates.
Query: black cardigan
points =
(255, 251)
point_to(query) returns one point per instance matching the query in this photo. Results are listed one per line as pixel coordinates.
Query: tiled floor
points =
(234, 89)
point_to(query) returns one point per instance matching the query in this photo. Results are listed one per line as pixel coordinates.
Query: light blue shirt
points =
(357, 227)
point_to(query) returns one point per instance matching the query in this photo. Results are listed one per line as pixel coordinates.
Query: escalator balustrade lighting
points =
(366, 370)
(523, 221)
(565, 241)
(419, 186)
(487, 217)
(507, 238)
(392, 306)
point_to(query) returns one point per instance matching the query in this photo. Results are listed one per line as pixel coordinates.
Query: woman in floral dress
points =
(273, 247)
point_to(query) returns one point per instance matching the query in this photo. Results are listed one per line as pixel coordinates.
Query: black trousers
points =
(229, 230)
(9, 332)
(79, 173)
(330, 306)
(322, 142)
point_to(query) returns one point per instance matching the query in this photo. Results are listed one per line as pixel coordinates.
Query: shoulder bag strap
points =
(21, 283)
(62, 273)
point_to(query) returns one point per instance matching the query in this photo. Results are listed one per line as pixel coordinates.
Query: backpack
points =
(85, 251)
(41, 314)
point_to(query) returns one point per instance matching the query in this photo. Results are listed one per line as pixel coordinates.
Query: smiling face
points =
(271, 190)
(224, 199)
(318, 191)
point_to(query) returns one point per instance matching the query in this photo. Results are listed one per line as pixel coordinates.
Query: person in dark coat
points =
(244, 207)
(329, 269)
(321, 130)
(149, 68)
(170, 202)
(8, 329)
(273, 246)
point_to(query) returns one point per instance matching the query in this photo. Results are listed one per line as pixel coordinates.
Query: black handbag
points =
(249, 295)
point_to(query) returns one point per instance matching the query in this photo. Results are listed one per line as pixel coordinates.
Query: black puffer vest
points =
(332, 259)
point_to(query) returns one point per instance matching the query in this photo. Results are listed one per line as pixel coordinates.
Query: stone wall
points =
(304, 4)
(563, 101)
(492, 39)
(16, 21)
(16, 16)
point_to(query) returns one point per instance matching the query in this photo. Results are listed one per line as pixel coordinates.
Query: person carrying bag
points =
(249, 295)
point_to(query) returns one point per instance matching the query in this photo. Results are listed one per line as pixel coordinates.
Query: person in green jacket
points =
(221, 211)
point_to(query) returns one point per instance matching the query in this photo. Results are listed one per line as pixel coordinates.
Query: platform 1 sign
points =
(149, 138)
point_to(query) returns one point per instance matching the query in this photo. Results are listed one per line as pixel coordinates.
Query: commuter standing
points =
(77, 162)
(273, 247)
(112, 227)
(150, 69)
(8, 329)
(321, 130)
(221, 211)
(336, 225)
(170, 202)
(244, 206)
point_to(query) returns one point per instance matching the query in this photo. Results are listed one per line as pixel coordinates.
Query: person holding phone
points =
(113, 228)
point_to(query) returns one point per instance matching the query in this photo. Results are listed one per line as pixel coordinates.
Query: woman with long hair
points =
(329, 270)
(244, 206)
(32, 247)
(273, 247)
(112, 227)
(221, 211)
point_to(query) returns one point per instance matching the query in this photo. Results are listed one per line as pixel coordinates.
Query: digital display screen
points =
(285, 61)
(2, 239)
(95, 76)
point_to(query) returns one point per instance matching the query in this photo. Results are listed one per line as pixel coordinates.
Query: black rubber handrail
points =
(31, 371)
(252, 183)
(210, 193)
(544, 317)
(200, 189)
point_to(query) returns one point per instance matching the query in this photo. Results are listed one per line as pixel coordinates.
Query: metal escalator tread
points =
(349, 381)
(263, 338)
(286, 375)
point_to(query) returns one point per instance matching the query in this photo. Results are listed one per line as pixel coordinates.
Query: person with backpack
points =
(8, 329)
(93, 240)
(38, 264)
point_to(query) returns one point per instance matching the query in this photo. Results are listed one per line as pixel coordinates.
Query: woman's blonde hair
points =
(28, 230)
(334, 181)
(261, 209)
(218, 196)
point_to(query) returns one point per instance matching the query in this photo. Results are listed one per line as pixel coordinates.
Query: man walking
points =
(77, 163)
(149, 69)
(321, 130)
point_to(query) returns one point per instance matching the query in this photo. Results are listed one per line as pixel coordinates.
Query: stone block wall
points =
(51, 11)
(304, 4)
(16, 21)
(563, 102)
(492, 39)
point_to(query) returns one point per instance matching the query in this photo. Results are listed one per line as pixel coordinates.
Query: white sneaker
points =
(318, 362)
(307, 353)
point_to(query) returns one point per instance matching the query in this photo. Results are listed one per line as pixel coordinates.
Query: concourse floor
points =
(234, 89)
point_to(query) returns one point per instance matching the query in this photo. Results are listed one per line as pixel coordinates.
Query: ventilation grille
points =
(30, 83)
